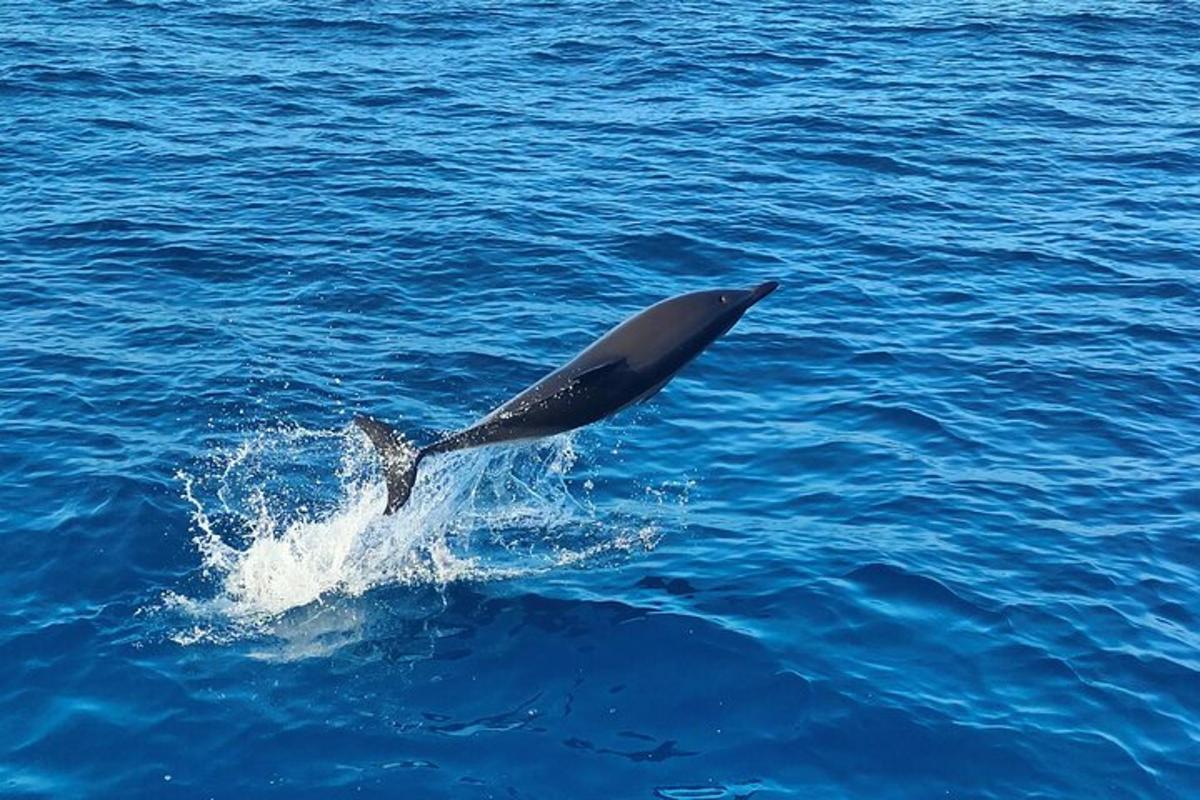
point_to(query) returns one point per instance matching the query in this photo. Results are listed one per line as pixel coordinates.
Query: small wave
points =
(274, 535)
(924, 594)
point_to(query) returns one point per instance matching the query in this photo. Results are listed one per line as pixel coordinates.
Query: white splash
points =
(293, 516)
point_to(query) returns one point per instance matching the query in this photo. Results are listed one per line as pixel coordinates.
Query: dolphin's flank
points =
(629, 364)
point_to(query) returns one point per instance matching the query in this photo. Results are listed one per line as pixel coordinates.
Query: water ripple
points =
(923, 524)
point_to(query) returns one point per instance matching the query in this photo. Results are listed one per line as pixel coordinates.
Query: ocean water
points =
(926, 523)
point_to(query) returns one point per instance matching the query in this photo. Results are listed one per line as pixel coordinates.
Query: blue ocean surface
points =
(925, 524)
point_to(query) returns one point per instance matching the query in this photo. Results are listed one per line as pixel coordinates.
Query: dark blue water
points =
(925, 524)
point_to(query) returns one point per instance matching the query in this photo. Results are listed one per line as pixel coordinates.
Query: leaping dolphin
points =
(627, 365)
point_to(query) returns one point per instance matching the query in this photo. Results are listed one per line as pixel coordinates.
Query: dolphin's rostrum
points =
(629, 364)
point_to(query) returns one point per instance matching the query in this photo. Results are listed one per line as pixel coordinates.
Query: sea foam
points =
(294, 516)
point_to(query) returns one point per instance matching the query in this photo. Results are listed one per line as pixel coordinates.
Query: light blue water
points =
(924, 524)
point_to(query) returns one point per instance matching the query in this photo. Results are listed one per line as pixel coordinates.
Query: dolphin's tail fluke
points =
(398, 457)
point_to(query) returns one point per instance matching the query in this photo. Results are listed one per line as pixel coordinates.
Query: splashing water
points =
(275, 533)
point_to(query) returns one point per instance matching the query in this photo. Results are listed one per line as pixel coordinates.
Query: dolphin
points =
(629, 364)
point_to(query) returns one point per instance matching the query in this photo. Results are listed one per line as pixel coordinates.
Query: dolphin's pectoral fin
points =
(398, 458)
(595, 385)
(589, 382)
(597, 375)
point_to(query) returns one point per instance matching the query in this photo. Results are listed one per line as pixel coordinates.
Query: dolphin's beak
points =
(761, 291)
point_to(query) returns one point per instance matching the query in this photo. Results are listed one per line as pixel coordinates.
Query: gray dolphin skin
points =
(627, 365)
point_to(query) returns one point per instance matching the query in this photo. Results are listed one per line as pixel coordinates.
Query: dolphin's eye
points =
(724, 299)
